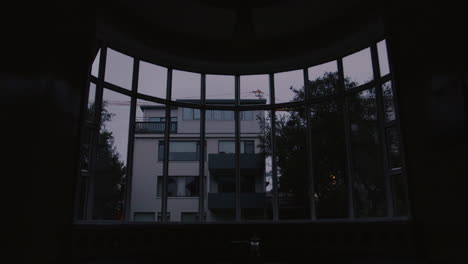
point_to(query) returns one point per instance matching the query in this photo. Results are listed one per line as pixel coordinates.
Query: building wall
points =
(147, 167)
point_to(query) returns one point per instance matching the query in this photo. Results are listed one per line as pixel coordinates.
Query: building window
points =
(246, 115)
(217, 115)
(168, 216)
(190, 114)
(180, 186)
(143, 216)
(180, 150)
(228, 146)
(190, 217)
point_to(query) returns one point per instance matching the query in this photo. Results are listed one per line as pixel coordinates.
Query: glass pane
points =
(220, 89)
(152, 80)
(110, 171)
(292, 163)
(289, 86)
(383, 58)
(119, 69)
(358, 67)
(86, 148)
(387, 94)
(254, 89)
(143, 217)
(184, 172)
(393, 148)
(400, 195)
(368, 181)
(255, 164)
(91, 97)
(149, 129)
(323, 79)
(186, 86)
(187, 114)
(220, 203)
(150, 118)
(95, 66)
(329, 159)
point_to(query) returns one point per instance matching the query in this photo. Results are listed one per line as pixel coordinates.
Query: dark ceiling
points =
(233, 36)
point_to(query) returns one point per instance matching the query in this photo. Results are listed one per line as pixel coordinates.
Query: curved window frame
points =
(82, 213)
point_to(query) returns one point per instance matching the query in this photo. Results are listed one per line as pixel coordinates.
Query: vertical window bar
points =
(274, 168)
(201, 181)
(131, 141)
(397, 119)
(310, 167)
(166, 148)
(347, 140)
(95, 139)
(383, 160)
(237, 131)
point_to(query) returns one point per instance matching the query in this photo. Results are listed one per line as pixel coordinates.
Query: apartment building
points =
(184, 160)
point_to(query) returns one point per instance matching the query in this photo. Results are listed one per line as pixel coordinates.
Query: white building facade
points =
(184, 160)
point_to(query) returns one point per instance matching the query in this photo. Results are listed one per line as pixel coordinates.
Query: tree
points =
(109, 172)
(328, 145)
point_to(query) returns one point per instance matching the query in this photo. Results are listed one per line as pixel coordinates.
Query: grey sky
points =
(186, 85)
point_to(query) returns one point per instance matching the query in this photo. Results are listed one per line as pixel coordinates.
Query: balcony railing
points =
(220, 162)
(148, 127)
(228, 200)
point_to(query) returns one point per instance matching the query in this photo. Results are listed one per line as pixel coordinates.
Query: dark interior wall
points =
(429, 56)
(44, 73)
(46, 51)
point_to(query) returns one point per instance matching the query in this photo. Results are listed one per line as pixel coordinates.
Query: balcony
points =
(228, 200)
(151, 127)
(219, 163)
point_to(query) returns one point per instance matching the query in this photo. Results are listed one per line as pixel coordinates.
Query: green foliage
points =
(109, 172)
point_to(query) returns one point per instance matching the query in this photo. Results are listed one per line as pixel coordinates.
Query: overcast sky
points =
(186, 85)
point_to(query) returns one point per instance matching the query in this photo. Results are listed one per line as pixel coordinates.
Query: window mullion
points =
(383, 160)
(349, 153)
(201, 181)
(237, 146)
(166, 148)
(131, 141)
(310, 157)
(274, 165)
(95, 138)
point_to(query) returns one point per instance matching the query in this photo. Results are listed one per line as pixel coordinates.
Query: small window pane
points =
(185, 85)
(329, 159)
(393, 148)
(228, 115)
(143, 217)
(227, 147)
(323, 79)
(368, 181)
(254, 89)
(383, 58)
(400, 195)
(110, 172)
(217, 115)
(289, 86)
(152, 80)
(91, 103)
(95, 66)
(358, 67)
(387, 94)
(209, 114)
(220, 88)
(187, 114)
(247, 115)
(119, 69)
(196, 114)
